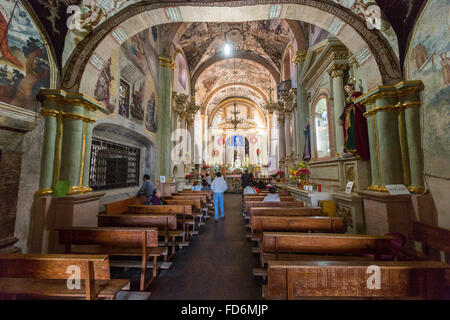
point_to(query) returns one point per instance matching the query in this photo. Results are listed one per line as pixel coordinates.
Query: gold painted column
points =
(67, 140)
(394, 134)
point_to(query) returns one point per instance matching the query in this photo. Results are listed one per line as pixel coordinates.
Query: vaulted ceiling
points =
(54, 14)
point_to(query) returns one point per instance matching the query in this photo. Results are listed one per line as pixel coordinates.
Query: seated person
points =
(272, 196)
(205, 186)
(261, 185)
(249, 190)
(156, 199)
(196, 186)
(255, 187)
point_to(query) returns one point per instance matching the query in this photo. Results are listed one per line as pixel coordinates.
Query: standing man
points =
(218, 186)
(245, 179)
(146, 189)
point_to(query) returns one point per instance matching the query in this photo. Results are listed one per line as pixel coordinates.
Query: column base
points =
(43, 192)
(384, 213)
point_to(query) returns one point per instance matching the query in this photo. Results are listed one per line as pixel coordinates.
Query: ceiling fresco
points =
(267, 38)
(233, 71)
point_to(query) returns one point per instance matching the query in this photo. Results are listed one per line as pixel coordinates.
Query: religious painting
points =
(150, 122)
(24, 63)
(124, 99)
(137, 108)
(103, 88)
(136, 49)
(428, 60)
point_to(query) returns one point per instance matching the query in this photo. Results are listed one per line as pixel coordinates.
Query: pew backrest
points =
(195, 203)
(109, 237)
(51, 266)
(296, 224)
(356, 244)
(161, 221)
(286, 211)
(399, 279)
(146, 209)
(119, 207)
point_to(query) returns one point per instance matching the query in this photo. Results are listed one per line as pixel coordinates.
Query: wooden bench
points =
(209, 194)
(184, 213)
(119, 207)
(166, 224)
(349, 279)
(196, 207)
(46, 275)
(432, 240)
(250, 204)
(261, 224)
(286, 211)
(252, 197)
(202, 198)
(281, 245)
(141, 242)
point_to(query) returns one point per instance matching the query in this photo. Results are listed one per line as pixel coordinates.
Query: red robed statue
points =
(355, 125)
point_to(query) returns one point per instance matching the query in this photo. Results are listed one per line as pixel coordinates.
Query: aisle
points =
(217, 265)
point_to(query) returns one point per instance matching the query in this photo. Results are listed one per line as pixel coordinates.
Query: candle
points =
(319, 188)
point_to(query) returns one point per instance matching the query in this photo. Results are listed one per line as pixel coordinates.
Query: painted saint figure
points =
(355, 125)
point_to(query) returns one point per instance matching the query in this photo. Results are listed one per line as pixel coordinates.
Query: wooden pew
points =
(141, 242)
(166, 224)
(202, 198)
(184, 213)
(260, 224)
(119, 207)
(250, 204)
(286, 211)
(433, 240)
(196, 207)
(252, 197)
(209, 194)
(349, 279)
(46, 275)
(276, 245)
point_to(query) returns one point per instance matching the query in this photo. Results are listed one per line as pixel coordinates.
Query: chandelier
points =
(235, 121)
(271, 107)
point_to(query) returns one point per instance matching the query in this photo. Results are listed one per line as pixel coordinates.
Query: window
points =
(322, 133)
(113, 165)
(124, 99)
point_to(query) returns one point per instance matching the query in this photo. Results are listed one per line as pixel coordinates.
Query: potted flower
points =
(188, 177)
(303, 174)
(280, 176)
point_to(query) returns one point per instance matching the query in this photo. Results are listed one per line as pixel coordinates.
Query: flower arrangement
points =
(188, 176)
(300, 172)
(236, 183)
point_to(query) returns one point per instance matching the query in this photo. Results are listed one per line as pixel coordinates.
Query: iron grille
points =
(113, 165)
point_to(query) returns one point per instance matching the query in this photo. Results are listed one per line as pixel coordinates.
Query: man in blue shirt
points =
(146, 189)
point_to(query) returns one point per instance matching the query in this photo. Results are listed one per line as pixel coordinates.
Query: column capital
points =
(300, 56)
(337, 70)
(166, 62)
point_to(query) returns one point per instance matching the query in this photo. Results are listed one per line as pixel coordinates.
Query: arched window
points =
(321, 122)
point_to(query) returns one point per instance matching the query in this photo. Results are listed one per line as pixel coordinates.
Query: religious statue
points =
(355, 125)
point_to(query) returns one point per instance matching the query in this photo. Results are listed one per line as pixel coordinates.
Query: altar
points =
(229, 181)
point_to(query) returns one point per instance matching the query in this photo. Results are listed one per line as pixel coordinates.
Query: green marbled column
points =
(373, 146)
(389, 148)
(71, 152)
(164, 116)
(51, 108)
(302, 105)
(411, 105)
(89, 127)
(48, 149)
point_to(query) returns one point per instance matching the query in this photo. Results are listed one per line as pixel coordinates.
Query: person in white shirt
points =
(272, 196)
(196, 186)
(218, 186)
(249, 190)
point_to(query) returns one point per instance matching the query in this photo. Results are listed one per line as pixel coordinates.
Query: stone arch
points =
(370, 48)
